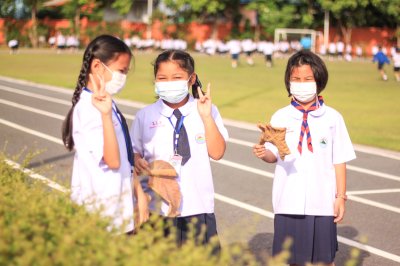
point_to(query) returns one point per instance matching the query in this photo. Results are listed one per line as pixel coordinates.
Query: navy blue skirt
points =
(314, 238)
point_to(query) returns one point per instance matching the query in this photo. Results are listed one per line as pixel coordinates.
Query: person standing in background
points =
(382, 59)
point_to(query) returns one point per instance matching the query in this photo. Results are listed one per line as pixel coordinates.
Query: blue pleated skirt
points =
(314, 238)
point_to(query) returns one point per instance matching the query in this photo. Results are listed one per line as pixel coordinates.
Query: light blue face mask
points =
(172, 91)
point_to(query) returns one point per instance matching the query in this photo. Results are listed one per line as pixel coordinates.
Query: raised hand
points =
(204, 102)
(100, 98)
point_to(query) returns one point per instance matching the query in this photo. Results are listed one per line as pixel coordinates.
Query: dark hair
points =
(318, 68)
(184, 60)
(106, 48)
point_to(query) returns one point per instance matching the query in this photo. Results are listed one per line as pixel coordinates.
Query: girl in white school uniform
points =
(159, 132)
(97, 130)
(309, 189)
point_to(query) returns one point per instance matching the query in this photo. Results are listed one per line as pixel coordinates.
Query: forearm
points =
(215, 141)
(110, 146)
(137, 187)
(340, 170)
(269, 157)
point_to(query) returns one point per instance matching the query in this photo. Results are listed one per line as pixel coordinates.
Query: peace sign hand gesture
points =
(204, 102)
(100, 98)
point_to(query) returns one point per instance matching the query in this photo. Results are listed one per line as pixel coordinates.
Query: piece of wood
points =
(275, 135)
(162, 180)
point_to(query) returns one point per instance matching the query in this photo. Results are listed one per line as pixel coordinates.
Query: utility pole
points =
(326, 28)
(149, 20)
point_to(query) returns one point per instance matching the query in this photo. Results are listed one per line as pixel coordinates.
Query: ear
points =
(95, 66)
(192, 79)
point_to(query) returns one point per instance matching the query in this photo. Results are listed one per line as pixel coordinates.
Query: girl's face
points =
(302, 73)
(120, 64)
(171, 71)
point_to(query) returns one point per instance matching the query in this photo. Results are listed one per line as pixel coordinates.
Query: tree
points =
(203, 10)
(285, 13)
(9, 9)
(352, 13)
(75, 9)
(391, 11)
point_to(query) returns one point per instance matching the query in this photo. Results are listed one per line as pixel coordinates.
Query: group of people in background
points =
(235, 47)
(61, 42)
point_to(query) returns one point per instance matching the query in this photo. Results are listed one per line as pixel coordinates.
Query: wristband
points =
(341, 196)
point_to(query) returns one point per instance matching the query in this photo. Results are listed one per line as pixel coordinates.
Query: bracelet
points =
(341, 196)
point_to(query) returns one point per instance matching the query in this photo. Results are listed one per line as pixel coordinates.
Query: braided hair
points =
(106, 48)
(184, 60)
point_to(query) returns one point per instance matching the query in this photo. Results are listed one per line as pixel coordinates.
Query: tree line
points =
(343, 14)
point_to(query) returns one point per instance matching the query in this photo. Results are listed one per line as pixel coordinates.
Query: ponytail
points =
(82, 80)
(196, 84)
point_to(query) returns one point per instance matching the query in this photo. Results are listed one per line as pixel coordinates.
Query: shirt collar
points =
(299, 115)
(167, 111)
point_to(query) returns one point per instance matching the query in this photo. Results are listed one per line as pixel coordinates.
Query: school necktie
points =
(305, 129)
(127, 137)
(183, 148)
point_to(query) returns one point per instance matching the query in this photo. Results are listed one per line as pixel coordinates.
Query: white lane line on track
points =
(34, 175)
(222, 161)
(45, 98)
(372, 172)
(35, 95)
(31, 131)
(138, 105)
(31, 109)
(374, 191)
(227, 200)
(374, 203)
(231, 140)
(245, 168)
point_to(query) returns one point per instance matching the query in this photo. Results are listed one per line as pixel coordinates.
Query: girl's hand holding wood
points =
(259, 151)
(141, 165)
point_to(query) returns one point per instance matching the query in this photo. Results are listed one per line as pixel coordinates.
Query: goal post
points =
(288, 34)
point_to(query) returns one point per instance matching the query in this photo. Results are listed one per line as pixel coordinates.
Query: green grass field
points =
(252, 94)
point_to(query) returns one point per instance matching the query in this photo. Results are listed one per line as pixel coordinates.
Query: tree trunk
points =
(346, 33)
(398, 35)
(214, 33)
(77, 22)
(33, 32)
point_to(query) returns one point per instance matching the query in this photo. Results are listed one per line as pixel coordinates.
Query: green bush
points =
(40, 226)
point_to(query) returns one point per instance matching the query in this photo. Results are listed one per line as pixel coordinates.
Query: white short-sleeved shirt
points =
(268, 48)
(152, 138)
(248, 45)
(93, 183)
(306, 184)
(234, 46)
(396, 59)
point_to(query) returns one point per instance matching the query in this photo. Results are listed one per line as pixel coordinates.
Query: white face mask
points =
(172, 91)
(303, 91)
(116, 83)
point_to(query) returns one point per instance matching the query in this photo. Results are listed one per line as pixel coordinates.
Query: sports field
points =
(370, 106)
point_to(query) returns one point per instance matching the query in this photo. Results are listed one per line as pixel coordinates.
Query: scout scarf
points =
(304, 126)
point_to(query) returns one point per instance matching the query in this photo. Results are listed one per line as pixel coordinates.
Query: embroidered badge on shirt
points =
(323, 143)
(155, 124)
(200, 138)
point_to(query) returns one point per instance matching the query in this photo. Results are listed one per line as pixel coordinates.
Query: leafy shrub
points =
(40, 226)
